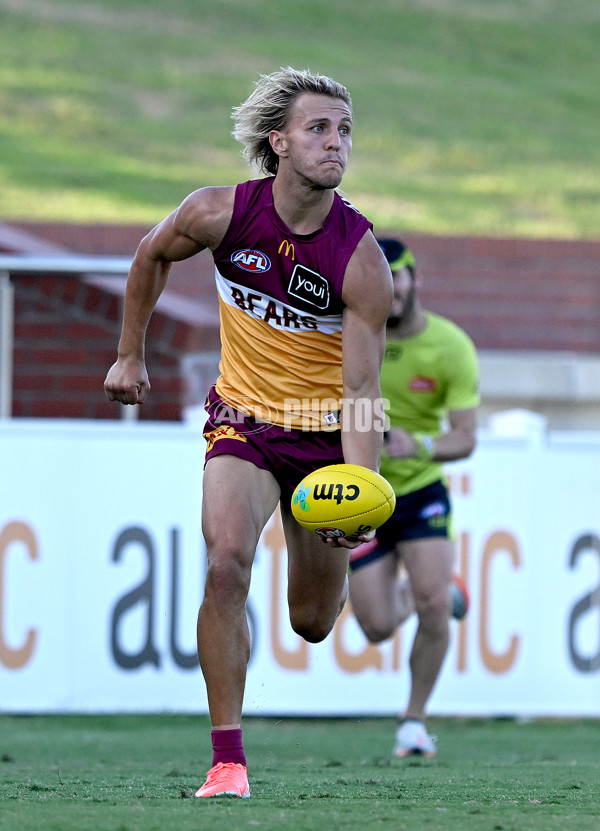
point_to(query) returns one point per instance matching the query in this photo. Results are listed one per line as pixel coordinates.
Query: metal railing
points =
(40, 264)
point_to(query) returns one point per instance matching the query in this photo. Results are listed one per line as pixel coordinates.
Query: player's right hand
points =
(127, 381)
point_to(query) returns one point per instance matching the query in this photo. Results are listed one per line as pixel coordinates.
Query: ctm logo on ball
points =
(332, 491)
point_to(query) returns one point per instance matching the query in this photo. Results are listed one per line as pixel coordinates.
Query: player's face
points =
(316, 142)
(403, 303)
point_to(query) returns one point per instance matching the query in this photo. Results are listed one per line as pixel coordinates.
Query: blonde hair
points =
(268, 106)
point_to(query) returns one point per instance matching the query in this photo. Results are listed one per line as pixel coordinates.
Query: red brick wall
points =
(67, 329)
(65, 339)
(511, 294)
(117, 240)
(515, 293)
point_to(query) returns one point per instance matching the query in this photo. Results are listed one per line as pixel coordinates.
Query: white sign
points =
(102, 568)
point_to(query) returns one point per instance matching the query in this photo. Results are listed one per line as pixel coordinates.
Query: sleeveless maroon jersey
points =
(280, 300)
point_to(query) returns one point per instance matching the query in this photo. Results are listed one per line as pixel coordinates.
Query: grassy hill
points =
(471, 117)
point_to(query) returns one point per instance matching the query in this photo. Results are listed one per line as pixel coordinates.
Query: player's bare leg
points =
(238, 500)
(380, 601)
(429, 565)
(405, 599)
(317, 580)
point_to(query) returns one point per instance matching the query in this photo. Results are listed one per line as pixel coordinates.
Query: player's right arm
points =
(199, 222)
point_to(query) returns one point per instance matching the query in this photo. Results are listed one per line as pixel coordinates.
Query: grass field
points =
(470, 116)
(139, 773)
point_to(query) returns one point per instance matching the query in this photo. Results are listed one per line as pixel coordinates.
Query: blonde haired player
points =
(430, 376)
(304, 292)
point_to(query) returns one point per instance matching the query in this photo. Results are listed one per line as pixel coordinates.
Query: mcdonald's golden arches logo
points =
(289, 249)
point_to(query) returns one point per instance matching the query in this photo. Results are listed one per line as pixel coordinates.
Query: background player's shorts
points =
(288, 454)
(418, 515)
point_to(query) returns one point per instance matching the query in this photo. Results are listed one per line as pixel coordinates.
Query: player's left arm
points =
(460, 439)
(367, 294)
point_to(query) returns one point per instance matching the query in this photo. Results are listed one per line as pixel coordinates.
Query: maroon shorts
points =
(288, 454)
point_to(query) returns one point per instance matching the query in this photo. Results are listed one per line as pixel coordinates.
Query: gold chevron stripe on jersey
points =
(286, 376)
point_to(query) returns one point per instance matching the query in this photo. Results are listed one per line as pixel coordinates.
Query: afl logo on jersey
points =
(251, 260)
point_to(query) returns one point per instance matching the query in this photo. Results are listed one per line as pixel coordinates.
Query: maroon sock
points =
(228, 746)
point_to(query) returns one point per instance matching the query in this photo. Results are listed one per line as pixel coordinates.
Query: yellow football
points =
(343, 501)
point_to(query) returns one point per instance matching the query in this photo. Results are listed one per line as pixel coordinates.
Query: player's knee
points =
(376, 631)
(433, 609)
(311, 625)
(227, 577)
(374, 621)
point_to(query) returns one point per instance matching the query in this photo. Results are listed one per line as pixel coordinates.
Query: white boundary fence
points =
(102, 567)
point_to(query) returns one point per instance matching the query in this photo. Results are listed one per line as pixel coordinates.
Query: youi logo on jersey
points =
(309, 286)
(249, 259)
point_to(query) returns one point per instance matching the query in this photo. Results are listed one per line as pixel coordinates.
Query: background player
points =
(430, 376)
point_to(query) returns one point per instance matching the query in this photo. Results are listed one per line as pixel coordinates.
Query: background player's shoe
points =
(226, 779)
(459, 598)
(412, 739)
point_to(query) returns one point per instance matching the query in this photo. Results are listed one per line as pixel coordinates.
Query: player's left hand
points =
(342, 542)
(399, 444)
